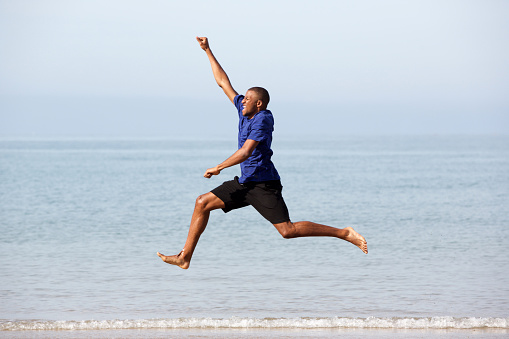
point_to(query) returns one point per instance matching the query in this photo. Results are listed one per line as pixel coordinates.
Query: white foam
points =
(254, 323)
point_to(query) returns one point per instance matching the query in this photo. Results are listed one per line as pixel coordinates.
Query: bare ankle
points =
(177, 260)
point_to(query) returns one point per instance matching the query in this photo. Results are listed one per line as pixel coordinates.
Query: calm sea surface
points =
(81, 222)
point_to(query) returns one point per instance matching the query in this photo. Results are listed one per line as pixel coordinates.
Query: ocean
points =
(81, 221)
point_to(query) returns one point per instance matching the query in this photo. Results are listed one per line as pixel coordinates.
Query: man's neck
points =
(255, 113)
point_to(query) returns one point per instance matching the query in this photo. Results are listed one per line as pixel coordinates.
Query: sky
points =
(122, 68)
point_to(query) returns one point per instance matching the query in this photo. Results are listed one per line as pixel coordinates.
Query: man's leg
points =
(204, 204)
(310, 229)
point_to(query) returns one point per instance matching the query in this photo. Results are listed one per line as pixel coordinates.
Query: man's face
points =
(250, 104)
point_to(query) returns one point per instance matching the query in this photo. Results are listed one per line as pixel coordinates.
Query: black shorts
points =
(264, 196)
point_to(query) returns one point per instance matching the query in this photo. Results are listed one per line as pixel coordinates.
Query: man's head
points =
(255, 100)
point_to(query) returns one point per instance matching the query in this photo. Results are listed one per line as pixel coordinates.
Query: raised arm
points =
(219, 74)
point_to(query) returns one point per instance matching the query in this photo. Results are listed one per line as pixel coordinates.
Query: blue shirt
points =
(258, 167)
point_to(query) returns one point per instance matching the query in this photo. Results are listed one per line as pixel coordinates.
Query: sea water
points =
(81, 221)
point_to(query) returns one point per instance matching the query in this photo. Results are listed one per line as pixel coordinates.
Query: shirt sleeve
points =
(237, 101)
(261, 128)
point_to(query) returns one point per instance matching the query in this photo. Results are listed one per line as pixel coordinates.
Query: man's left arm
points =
(236, 158)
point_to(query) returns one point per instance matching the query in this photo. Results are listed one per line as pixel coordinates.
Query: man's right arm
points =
(219, 74)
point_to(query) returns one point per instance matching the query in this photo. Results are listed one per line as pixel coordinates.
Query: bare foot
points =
(356, 239)
(177, 260)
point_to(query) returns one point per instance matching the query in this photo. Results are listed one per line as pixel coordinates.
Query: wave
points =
(258, 323)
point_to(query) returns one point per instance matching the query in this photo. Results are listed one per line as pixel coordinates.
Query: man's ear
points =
(259, 103)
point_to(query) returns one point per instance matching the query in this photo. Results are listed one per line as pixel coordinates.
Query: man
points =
(259, 184)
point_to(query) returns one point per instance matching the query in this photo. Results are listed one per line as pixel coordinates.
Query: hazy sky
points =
(134, 68)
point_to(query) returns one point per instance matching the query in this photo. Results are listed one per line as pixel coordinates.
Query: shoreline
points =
(260, 333)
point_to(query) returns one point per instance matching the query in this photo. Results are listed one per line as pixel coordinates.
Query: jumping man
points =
(259, 184)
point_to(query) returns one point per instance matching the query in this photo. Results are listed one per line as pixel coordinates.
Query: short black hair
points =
(262, 94)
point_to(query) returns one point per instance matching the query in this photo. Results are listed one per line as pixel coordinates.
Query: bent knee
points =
(208, 202)
(287, 230)
(202, 202)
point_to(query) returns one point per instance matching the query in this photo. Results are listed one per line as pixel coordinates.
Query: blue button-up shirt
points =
(258, 167)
